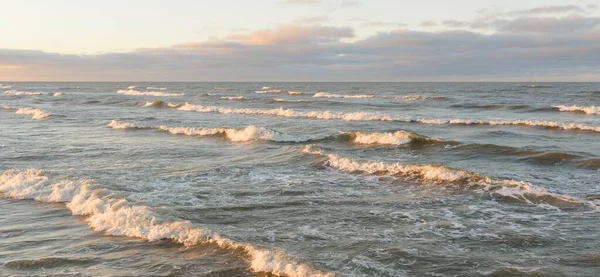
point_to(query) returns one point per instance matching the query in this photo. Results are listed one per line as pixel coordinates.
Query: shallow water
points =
(299, 179)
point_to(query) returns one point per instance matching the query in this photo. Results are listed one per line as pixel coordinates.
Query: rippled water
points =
(299, 179)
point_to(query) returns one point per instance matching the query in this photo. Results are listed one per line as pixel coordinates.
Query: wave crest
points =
(118, 217)
(36, 114)
(578, 109)
(439, 174)
(20, 93)
(129, 91)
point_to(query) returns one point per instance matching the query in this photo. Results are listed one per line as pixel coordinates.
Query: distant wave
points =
(538, 86)
(578, 109)
(360, 96)
(222, 88)
(239, 97)
(5, 86)
(19, 93)
(36, 114)
(439, 174)
(58, 94)
(161, 104)
(148, 93)
(267, 90)
(387, 138)
(333, 95)
(367, 116)
(158, 88)
(492, 106)
(117, 217)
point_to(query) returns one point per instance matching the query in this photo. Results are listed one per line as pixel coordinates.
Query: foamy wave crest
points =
(5, 86)
(534, 123)
(578, 109)
(36, 114)
(147, 93)
(118, 217)
(250, 133)
(355, 116)
(295, 92)
(419, 97)
(438, 174)
(156, 88)
(58, 94)
(239, 97)
(267, 91)
(160, 104)
(395, 138)
(333, 95)
(20, 93)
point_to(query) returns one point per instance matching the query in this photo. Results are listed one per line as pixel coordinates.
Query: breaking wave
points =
(438, 174)
(250, 133)
(578, 109)
(161, 104)
(58, 94)
(333, 95)
(147, 93)
(359, 96)
(538, 86)
(156, 88)
(5, 86)
(117, 217)
(268, 90)
(20, 93)
(36, 114)
(239, 97)
(389, 138)
(368, 116)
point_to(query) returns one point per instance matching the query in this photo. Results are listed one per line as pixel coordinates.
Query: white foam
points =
(580, 109)
(439, 174)
(118, 217)
(419, 97)
(131, 87)
(534, 123)
(295, 92)
(356, 116)
(275, 91)
(5, 86)
(36, 114)
(396, 138)
(58, 94)
(250, 133)
(156, 88)
(239, 97)
(333, 95)
(20, 93)
(148, 93)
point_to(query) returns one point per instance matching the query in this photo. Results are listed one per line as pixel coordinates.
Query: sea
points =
(299, 179)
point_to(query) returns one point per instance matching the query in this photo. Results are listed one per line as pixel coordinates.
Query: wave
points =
(359, 96)
(492, 106)
(294, 92)
(131, 87)
(161, 104)
(578, 109)
(277, 91)
(5, 86)
(222, 88)
(368, 116)
(250, 133)
(156, 88)
(438, 174)
(20, 93)
(333, 95)
(58, 94)
(36, 114)
(538, 86)
(239, 97)
(117, 217)
(387, 138)
(147, 93)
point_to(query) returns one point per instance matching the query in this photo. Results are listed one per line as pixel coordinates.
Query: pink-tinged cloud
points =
(293, 34)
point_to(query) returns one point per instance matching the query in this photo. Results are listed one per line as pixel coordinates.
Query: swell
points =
(362, 96)
(578, 109)
(132, 91)
(511, 190)
(253, 133)
(36, 114)
(117, 217)
(492, 106)
(369, 116)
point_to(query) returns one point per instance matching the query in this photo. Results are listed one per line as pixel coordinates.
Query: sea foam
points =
(578, 109)
(36, 114)
(20, 93)
(115, 216)
(439, 174)
(147, 93)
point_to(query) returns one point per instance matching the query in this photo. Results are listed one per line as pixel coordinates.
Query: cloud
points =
(549, 10)
(311, 20)
(378, 23)
(428, 23)
(303, 2)
(539, 48)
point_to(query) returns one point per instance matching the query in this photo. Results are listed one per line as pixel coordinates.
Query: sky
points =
(299, 40)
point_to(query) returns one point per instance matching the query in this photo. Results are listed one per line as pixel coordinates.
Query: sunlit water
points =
(299, 179)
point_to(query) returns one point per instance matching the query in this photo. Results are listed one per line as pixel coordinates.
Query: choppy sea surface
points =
(299, 179)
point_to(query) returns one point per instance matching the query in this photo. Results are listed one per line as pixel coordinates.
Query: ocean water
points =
(299, 179)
